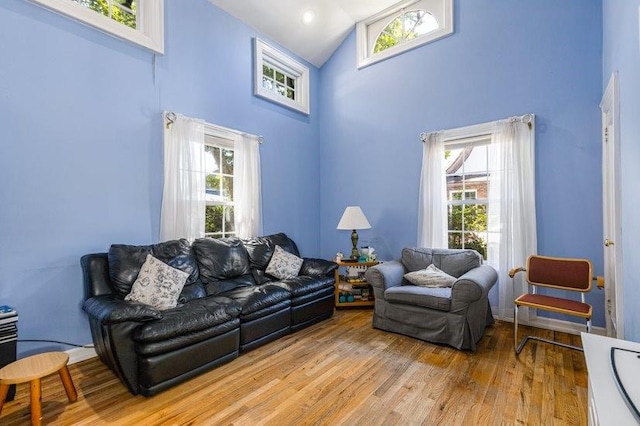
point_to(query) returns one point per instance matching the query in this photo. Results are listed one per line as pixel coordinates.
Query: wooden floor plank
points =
(342, 372)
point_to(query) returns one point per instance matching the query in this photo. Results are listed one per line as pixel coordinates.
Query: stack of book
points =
(8, 326)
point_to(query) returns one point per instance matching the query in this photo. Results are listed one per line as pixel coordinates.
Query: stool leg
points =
(67, 382)
(36, 402)
(4, 390)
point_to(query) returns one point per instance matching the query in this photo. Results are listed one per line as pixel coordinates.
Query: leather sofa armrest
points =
(109, 310)
(384, 276)
(473, 285)
(317, 267)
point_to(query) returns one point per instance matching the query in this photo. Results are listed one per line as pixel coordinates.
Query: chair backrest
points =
(561, 273)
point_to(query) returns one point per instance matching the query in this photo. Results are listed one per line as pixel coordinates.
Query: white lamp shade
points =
(353, 218)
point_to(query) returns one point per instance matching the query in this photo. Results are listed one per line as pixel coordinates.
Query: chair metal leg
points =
(518, 347)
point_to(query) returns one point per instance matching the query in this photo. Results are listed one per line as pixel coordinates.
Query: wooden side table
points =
(32, 369)
(342, 280)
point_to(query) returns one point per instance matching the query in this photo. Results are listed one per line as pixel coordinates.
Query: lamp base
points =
(355, 254)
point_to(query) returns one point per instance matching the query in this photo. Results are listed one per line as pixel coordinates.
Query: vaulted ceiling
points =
(281, 20)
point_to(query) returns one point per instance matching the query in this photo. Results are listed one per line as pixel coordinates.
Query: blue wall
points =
(505, 58)
(622, 53)
(81, 162)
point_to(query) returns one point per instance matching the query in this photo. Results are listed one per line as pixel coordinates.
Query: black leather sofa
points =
(228, 305)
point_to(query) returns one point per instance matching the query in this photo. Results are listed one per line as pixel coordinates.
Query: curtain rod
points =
(171, 117)
(526, 118)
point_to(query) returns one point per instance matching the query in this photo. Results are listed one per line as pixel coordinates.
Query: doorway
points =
(611, 209)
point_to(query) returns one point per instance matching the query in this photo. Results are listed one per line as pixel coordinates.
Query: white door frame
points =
(612, 224)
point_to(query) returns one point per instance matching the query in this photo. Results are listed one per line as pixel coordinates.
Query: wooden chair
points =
(556, 273)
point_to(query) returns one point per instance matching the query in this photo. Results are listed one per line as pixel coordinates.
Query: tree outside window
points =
(219, 220)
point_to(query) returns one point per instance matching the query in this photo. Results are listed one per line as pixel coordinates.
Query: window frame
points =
(224, 139)
(150, 21)
(479, 135)
(272, 57)
(365, 44)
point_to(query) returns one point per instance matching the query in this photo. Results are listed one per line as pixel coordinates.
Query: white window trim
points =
(265, 54)
(149, 35)
(223, 139)
(362, 37)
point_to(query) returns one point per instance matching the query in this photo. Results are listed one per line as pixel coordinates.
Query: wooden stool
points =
(32, 369)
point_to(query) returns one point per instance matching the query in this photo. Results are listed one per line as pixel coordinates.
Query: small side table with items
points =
(352, 289)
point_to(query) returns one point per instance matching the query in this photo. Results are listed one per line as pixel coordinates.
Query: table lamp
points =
(353, 218)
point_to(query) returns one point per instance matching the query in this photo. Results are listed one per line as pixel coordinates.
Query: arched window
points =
(403, 26)
(407, 26)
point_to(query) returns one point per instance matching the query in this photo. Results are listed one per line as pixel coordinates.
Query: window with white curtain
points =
(211, 181)
(477, 191)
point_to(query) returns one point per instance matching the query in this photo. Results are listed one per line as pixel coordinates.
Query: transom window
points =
(467, 176)
(278, 81)
(137, 21)
(407, 26)
(219, 160)
(404, 26)
(281, 79)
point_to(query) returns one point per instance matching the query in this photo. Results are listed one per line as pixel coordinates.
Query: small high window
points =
(280, 78)
(404, 26)
(137, 21)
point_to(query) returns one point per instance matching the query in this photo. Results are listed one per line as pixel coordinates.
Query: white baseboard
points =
(80, 354)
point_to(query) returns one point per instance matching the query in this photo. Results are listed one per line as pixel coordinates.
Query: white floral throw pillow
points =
(283, 265)
(430, 277)
(158, 284)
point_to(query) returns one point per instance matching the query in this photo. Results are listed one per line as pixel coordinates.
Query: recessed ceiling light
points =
(308, 16)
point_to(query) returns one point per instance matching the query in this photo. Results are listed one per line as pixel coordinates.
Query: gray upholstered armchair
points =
(455, 315)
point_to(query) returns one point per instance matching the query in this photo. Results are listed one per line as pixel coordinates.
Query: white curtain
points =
(183, 195)
(247, 194)
(432, 200)
(512, 209)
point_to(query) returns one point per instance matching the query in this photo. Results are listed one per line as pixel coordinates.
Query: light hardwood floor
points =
(341, 371)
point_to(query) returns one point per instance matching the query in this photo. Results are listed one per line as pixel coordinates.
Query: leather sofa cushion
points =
(302, 285)
(194, 316)
(455, 262)
(260, 249)
(434, 298)
(220, 258)
(182, 341)
(317, 267)
(256, 298)
(190, 292)
(221, 286)
(125, 262)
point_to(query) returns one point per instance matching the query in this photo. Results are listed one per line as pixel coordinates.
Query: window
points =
(281, 79)
(404, 26)
(138, 21)
(467, 176)
(219, 160)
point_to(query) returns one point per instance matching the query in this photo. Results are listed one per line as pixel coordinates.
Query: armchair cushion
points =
(434, 298)
(454, 262)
